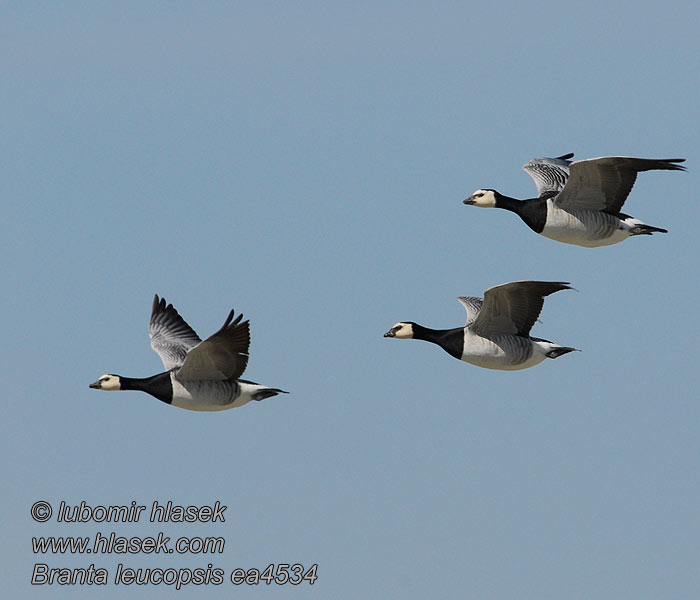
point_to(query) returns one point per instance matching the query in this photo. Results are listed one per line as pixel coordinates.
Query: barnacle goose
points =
(497, 331)
(579, 201)
(199, 375)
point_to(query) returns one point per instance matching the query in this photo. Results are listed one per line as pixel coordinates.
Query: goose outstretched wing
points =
(604, 183)
(513, 308)
(223, 355)
(472, 305)
(549, 174)
(171, 337)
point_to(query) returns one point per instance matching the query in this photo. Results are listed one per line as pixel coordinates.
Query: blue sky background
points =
(306, 164)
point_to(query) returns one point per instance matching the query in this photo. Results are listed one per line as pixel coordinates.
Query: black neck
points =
(158, 386)
(533, 211)
(450, 340)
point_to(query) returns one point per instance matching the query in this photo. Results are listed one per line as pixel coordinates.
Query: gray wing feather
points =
(549, 174)
(513, 308)
(171, 337)
(604, 183)
(472, 305)
(223, 355)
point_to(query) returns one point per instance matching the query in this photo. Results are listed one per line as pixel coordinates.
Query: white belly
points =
(505, 353)
(583, 228)
(205, 395)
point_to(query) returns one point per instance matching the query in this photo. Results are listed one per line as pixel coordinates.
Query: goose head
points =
(107, 382)
(482, 198)
(402, 331)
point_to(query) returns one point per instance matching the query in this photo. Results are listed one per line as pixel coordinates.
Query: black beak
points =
(469, 200)
(95, 386)
(391, 332)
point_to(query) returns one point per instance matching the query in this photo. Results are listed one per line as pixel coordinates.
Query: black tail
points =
(557, 352)
(646, 230)
(667, 163)
(652, 164)
(267, 393)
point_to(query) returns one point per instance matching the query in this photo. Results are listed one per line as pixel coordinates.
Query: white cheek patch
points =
(488, 200)
(109, 383)
(405, 333)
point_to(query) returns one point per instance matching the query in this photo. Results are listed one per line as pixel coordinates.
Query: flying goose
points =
(199, 375)
(497, 331)
(579, 202)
